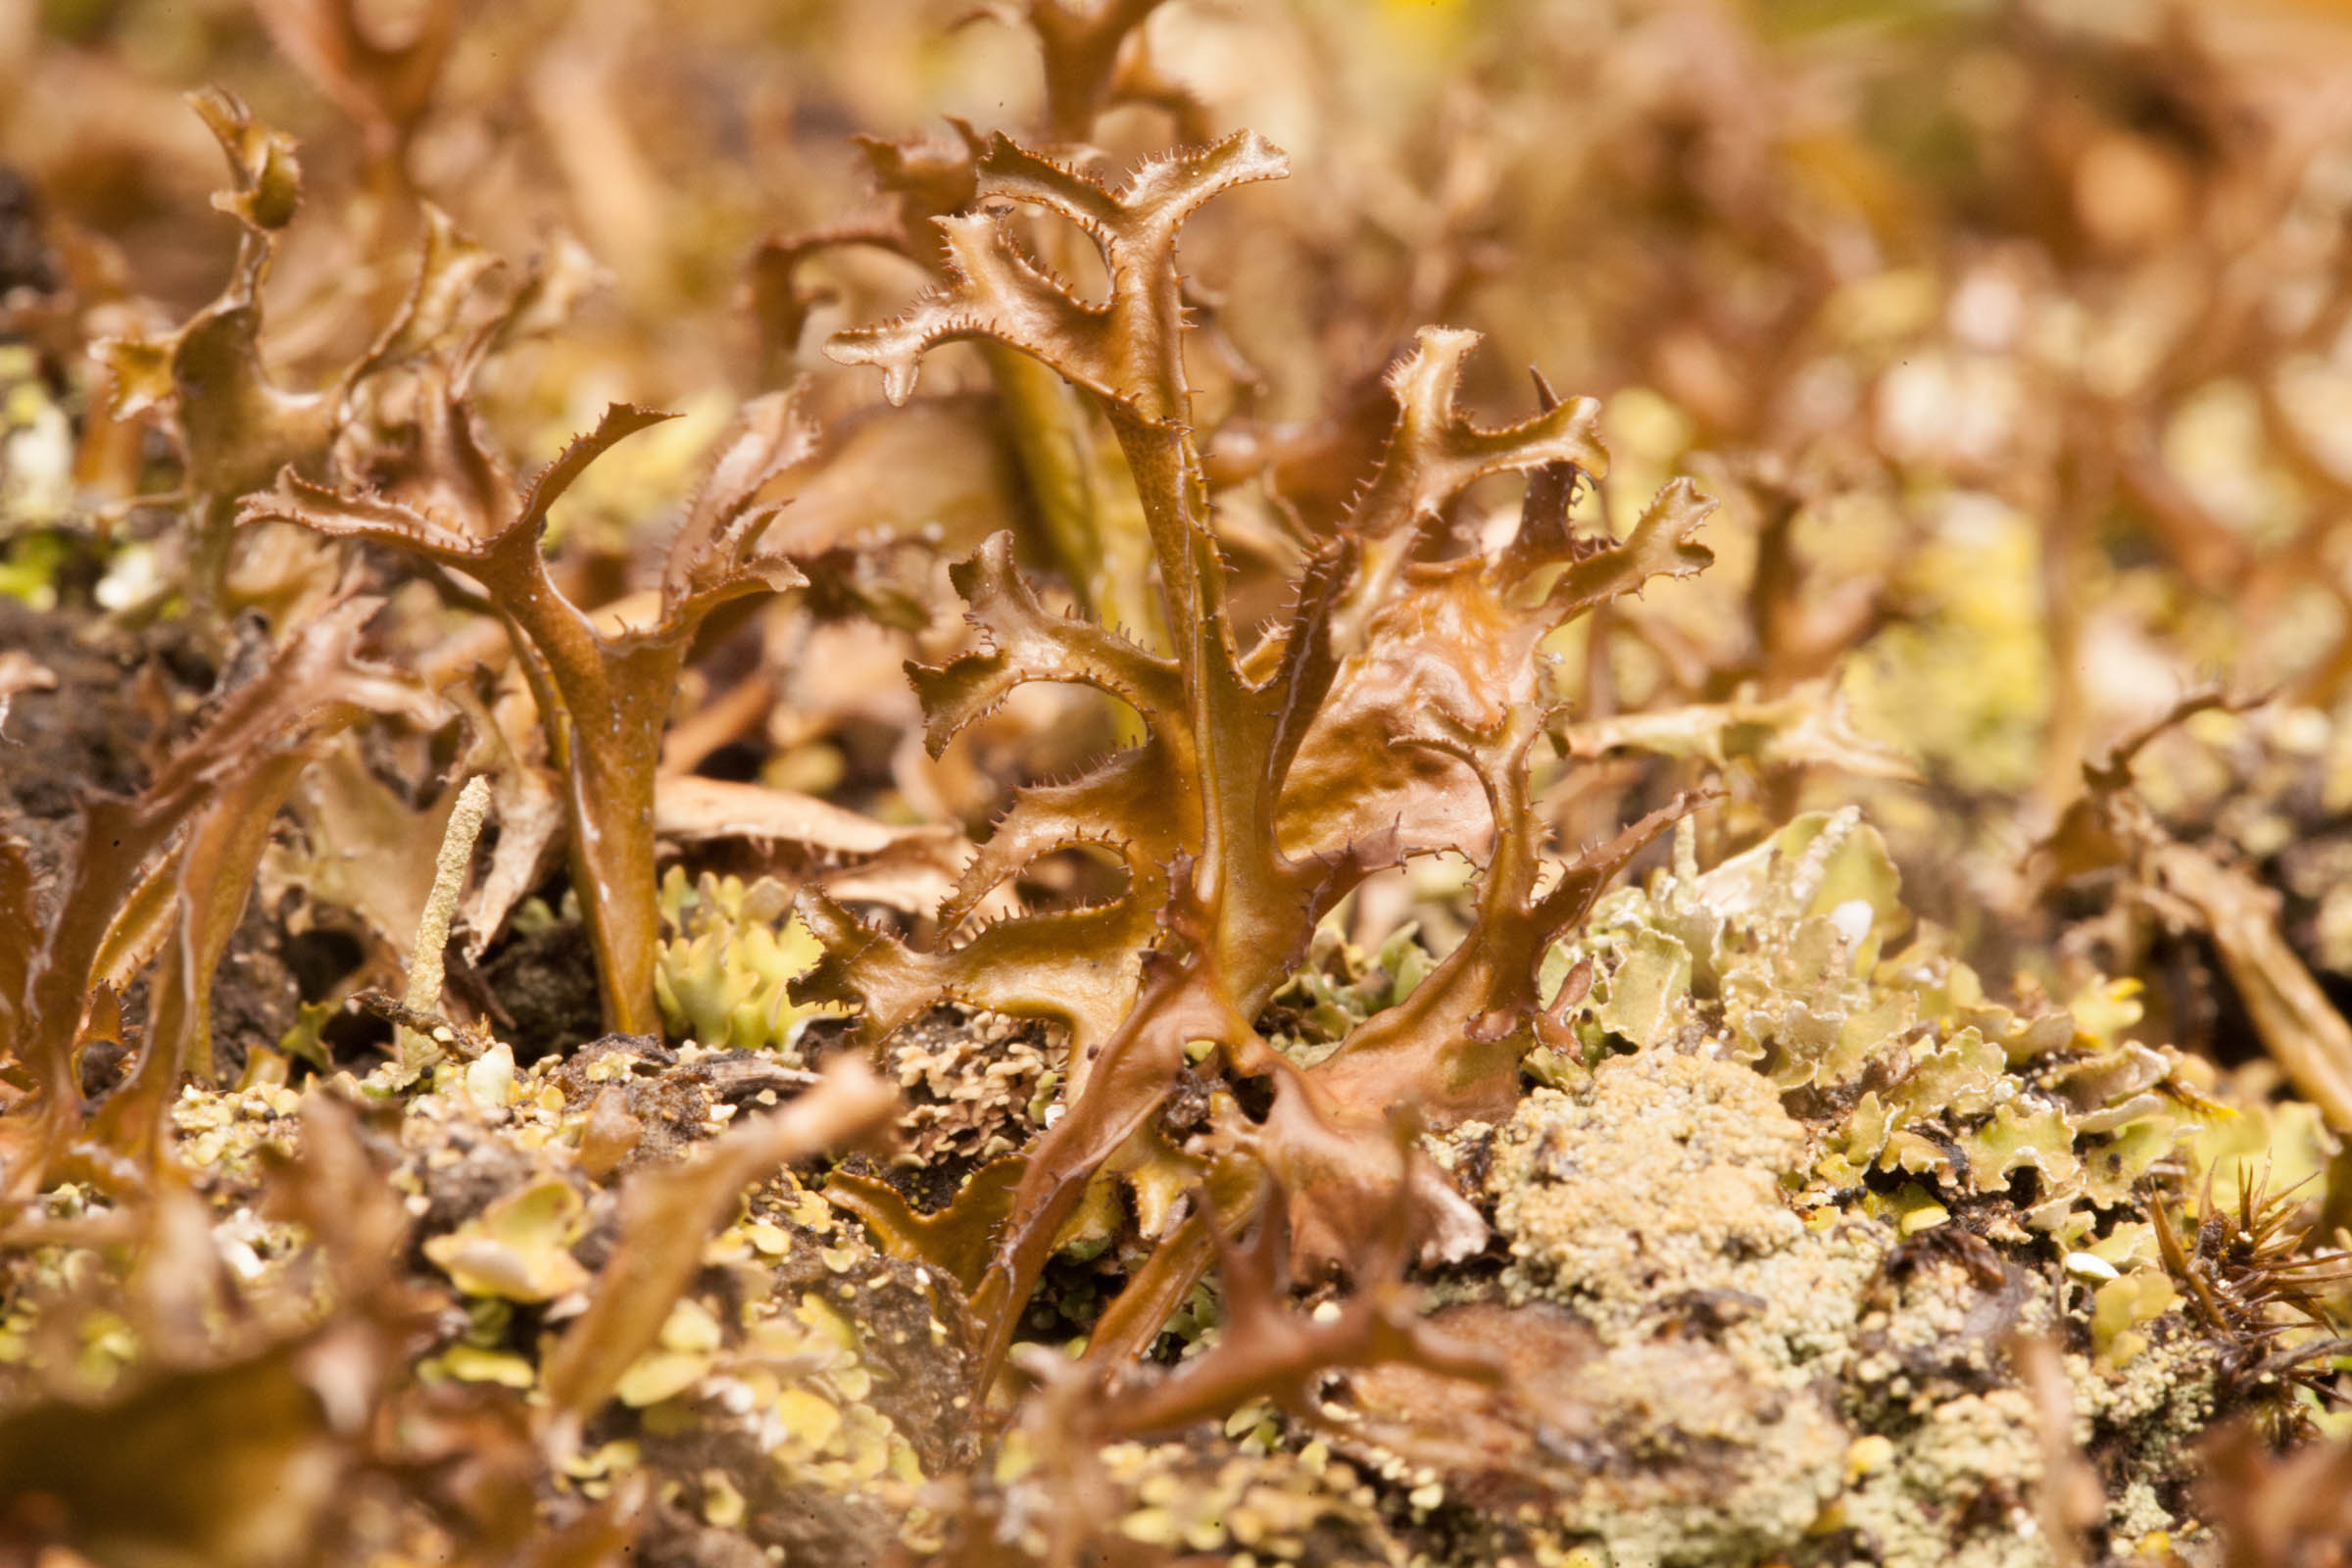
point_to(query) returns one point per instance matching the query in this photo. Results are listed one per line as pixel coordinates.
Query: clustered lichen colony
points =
(1197, 1164)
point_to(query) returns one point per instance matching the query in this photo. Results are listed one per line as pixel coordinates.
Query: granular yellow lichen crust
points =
(1660, 1178)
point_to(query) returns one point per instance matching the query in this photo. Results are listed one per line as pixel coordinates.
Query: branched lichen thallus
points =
(1393, 711)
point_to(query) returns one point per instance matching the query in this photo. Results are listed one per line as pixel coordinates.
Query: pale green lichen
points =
(518, 1247)
(1802, 1193)
(1339, 987)
(722, 975)
(1654, 1198)
(1789, 970)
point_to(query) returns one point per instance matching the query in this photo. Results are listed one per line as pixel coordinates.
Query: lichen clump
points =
(1713, 1189)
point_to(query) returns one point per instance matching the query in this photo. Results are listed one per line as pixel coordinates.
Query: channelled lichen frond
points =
(1269, 1349)
(406, 424)
(1009, 171)
(1659, 546)
(1148, 803)
(995, 290)
(1124, 351)
(266, 178)
(1436, 452)
(1433, 451)
(237, 427)
(1361, 1186)
(1452, 647)
(1074, 968)
(1136, 223)
(467, 516)
(921, 178)
(236, 424)
(357, 515)
(1182, 1001)
(1294, 662)
(449, 273)
(726, 516)
(618, 421)
(1453, 1048)
(956, 1238)
(1122, 804)
(1273, 780)
(1026, 642)
(1143, 803)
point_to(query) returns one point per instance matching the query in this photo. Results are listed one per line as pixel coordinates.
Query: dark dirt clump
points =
(256, 996)
(84, 733)
(547, 984)
(25, 259)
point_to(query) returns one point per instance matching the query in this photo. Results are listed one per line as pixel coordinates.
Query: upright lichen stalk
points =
(429, 955)
(604, 697)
